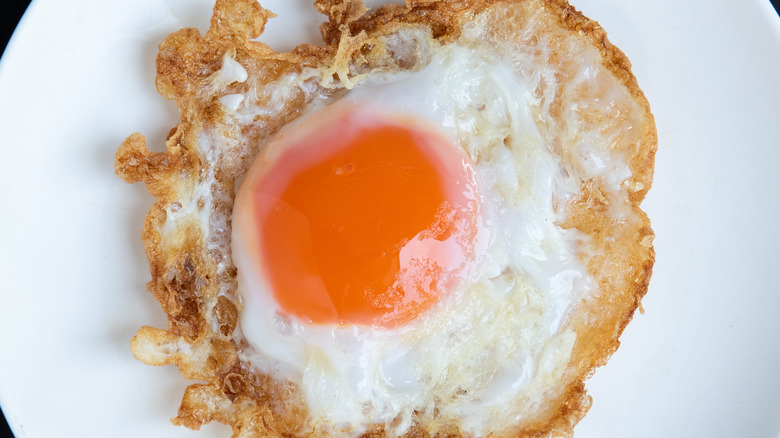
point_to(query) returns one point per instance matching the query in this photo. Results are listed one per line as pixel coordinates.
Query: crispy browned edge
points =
(186, 58)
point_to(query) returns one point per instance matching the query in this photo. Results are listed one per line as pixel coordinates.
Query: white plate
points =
(78, 77)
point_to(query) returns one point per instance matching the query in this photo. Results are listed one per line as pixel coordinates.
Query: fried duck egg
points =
(414, 229)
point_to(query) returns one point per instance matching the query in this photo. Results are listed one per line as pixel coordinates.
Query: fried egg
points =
(429, 225)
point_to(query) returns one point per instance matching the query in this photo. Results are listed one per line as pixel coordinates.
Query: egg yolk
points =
(365, 224)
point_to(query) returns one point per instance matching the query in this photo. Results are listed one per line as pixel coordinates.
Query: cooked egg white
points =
(487, 347)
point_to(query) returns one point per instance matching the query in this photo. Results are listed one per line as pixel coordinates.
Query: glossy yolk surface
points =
(368, 229)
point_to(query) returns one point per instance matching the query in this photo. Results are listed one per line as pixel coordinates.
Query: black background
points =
(12, 12)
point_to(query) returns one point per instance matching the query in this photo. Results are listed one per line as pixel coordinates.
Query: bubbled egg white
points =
(479, 352)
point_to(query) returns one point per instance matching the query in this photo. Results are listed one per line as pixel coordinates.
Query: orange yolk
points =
(366, 224)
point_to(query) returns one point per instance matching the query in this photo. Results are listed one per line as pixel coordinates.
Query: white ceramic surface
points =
(78, 76)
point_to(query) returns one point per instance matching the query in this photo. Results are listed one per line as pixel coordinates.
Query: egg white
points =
(490, 343)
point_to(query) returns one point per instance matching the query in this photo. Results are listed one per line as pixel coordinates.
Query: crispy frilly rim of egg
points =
(192, 274)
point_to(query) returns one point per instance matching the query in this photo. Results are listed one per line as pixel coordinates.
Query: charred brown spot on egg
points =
(227, 315)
